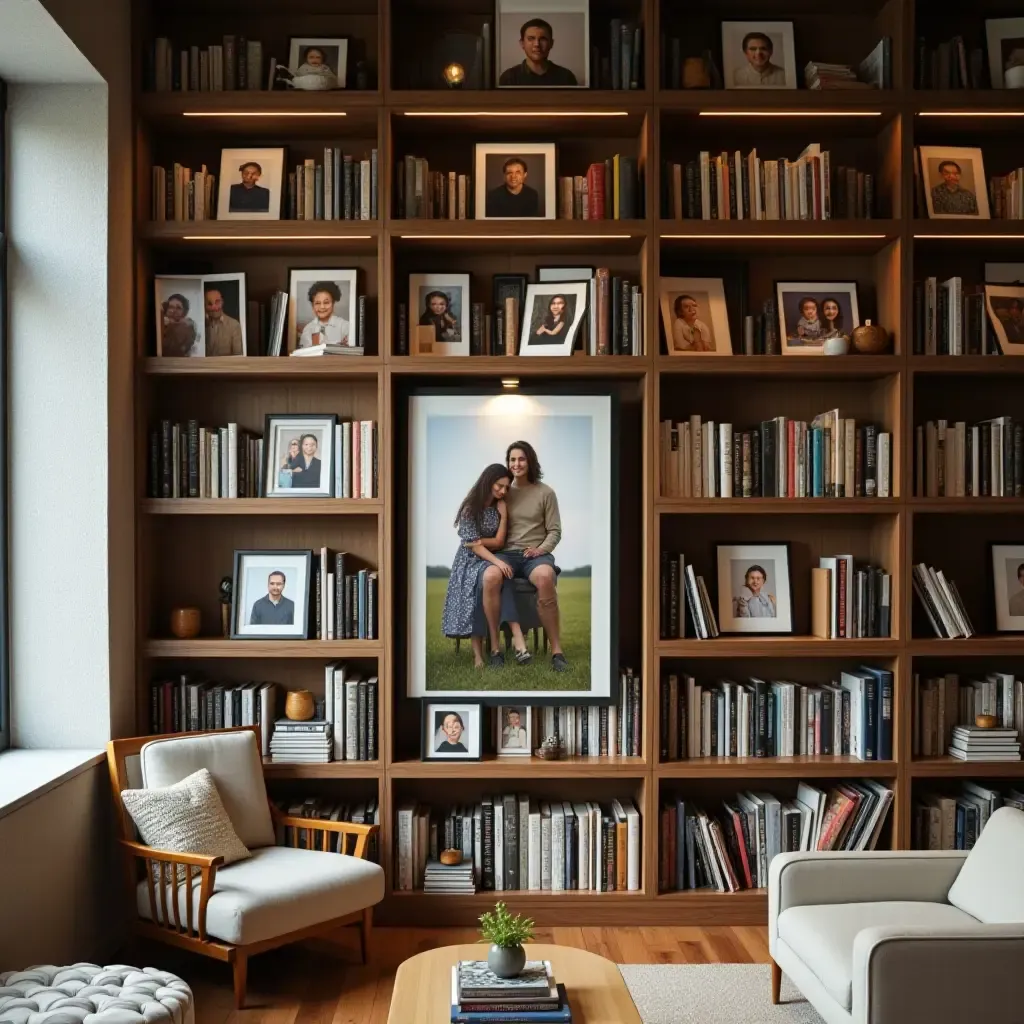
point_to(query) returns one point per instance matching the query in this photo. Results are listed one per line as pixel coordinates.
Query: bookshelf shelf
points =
(251, 368)
(937, 103)
(967, 506)
(262, 507)
(520, 366)
(994, 365)
(218, 648)
(777, 647)
(952, 768)
(520, 768)
(808, 766)
(280, 236)
(779, 506)
(520, 103)
(820, 237)
(846, 367)
(1008, 645)
(544, 236)
(331, 770)
(987, 233)
(778, 103)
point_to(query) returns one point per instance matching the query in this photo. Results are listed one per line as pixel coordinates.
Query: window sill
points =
(25, 775)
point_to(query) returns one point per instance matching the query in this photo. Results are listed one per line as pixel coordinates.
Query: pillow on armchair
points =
(990, 885)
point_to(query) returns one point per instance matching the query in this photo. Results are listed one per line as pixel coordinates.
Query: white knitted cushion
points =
(117, 994)
(187, 817)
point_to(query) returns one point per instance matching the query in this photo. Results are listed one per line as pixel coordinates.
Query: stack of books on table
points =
(479, 995)
(456, 879)
(970, 743)
(301, 742)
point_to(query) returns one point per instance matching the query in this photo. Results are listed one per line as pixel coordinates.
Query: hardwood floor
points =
(326, 984)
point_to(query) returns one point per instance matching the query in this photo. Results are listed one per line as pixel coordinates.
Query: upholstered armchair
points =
(278, 895)
(902, 938)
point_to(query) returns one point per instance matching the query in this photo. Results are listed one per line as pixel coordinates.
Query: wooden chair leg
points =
(365, 928)
(240, 967)
(776, 982)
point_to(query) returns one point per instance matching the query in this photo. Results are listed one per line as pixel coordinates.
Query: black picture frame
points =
(993, 586)
(719, 582)
(426, 728)
(330, 421)
(236, 593)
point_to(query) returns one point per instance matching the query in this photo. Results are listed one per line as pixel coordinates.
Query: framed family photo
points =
(1005, 52)
(553, 316)
(514, 730)
(514, 180)
(180, 319)
(1008, 587)
(533, 473)
(955, 186)
(321, 307)
(812, 312)
(299, 454)
(270, 598)
(753, 589)
(695, 317)
(441, 301)
(543, 43)
(1005, 305)
(451, 731)
(319, 63)
(758, 55)
(251, 184)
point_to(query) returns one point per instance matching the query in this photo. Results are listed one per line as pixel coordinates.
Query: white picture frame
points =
(739, 70)
(969, 177)
(569, 21)
(1003, 36)
(1008, 587)
(337, 296)
(179, 316)
(513, 736)
(263, 200)
(452, 325)
(546, 329)
(812, 312)
(231, 288)
(1004, 304)
(335, 59)
(254, 572)
(285, 465)
(695, 316)
(492, 187)
(452, 723)
(748, 604)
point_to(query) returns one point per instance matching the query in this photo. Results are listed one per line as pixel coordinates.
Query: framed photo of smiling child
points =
(451, 731)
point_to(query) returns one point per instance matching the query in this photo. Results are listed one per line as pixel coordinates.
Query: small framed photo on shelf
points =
(270, 595)
(180, 323)
(514, 730)
(451, 731)
(543, 43)
(224, 307)
(1008, 587)
(318, 64)
(753, 589)
(955, 186)
(299, 455)
(1005, 305)
(514, 180)
(695, 316)
(250, 184)
(321, 307)
(552, 318)
(814, 312)
(441, 301)
(1005, 52)
(758, 55)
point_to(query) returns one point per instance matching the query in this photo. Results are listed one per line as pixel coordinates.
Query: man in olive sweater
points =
(534, 530)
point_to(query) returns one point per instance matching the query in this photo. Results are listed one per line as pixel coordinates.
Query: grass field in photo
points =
(449, 671)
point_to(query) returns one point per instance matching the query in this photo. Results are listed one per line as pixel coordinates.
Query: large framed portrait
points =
(514, 179)
(224, 309)
(250, 186)
(1005, 52)
(1005, 305)
(758, 55)
(1008, 587)
(180, 322)
(322, 307)
(539, 469)
(753, 589)
(695, 316)
(543, 43)
(270, 595)
(451, 731)
(318, 63)
(955, 186)
(442, 301)
(554, 313)
(514, 730)
(299, 455)
(813, 312)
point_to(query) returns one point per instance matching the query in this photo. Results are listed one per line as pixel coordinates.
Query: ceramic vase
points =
(506, 961)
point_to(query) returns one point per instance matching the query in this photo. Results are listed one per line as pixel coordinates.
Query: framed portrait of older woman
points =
(753, 589)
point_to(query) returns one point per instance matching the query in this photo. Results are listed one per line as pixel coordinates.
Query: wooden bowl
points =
(986, 721)
(299, 705)
(185, 622)
(450, 857)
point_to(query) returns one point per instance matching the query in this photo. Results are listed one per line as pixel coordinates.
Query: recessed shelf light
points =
(516, 113)
(592, 238)
(970, 113)
(264, 113)
(819, 237)
(510, 382)
(990, 238)
(276, 238)
(790, 113)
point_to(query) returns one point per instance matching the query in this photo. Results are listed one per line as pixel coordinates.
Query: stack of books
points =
(479, 995)
(305, 742)
(454, 879)
(818, 75)
(971, 743)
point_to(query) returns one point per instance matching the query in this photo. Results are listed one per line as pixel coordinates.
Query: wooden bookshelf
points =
(182, 544)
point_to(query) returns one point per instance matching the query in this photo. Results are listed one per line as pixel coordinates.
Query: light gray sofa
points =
(901, 938)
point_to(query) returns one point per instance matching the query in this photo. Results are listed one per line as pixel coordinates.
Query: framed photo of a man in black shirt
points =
(543, 43)
(270, 596)
(250, 184)
(515, 180)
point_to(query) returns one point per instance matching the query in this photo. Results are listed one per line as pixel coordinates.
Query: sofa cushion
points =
(822, 936)
(990, 885)
(233, 759)
(278, 890)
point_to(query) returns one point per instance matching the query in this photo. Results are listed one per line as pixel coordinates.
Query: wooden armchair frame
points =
(164, 926)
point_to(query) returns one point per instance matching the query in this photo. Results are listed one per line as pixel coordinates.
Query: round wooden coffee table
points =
(597, 993)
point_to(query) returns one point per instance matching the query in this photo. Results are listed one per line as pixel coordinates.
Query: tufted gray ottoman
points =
(88, 994)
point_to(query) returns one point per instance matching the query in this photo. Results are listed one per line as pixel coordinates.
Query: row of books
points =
(949, 65)
(949, 321)
(942, 603)
(326, 808)
(348, 733)
(953, 821)
(736, 187)
(342, 187)
(179, 193)
(954, 460)
(516, 843)
(831, 457)
(734, 849)
(533, 995)
(608, 191)
(346, 602)
(760, 718)
(234, 63)
(606, 730)
(681, 589)
(850, 601)
(941, 703)
(1007, 194)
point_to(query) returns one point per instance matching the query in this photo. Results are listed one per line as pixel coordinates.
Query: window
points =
(5, 653)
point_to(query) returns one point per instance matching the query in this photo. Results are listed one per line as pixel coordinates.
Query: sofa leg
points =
(776, 982)
(239, 968)
(365, 928)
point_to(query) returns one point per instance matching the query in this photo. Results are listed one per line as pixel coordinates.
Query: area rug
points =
(713, 994)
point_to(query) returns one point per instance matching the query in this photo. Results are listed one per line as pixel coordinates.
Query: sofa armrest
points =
(811, 878)
(973, 972)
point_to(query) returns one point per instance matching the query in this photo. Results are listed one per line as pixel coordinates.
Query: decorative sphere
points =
(454, 75)
(225, 588)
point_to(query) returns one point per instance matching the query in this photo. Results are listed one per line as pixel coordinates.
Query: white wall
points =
(58, 278)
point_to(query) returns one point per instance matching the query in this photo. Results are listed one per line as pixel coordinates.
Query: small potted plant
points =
(506, 934)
